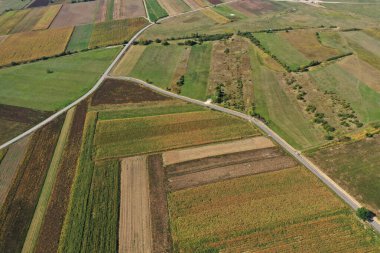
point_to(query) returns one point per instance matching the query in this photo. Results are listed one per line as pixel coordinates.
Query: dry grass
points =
(215, 16)
(47, 17)
(10, 19)
(28, 46)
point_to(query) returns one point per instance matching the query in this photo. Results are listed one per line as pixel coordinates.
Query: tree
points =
(364, 214)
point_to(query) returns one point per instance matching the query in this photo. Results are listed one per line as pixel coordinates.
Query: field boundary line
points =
(346, 197)
(146, 11)
(44, 199)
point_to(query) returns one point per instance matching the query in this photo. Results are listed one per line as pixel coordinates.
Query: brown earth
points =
(101, 11)
(10, 165)
(114, 91)
(22, 114)
(18, 210)
(10, 129)
(215, 1)
(250, 7)
(75, 14)
(193, 4)
(135, 228)
(231, 66)
(135, 8)
(55, 214)
(213, 162)
(183, 155)
(158, 205)
(230, 171)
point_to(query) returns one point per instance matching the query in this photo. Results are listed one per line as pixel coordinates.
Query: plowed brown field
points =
(75, 14)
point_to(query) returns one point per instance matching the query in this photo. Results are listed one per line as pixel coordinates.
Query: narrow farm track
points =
(352, 202)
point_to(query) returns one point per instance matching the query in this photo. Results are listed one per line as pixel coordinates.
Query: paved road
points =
(295, 153)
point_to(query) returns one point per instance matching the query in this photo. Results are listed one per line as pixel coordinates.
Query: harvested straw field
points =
(215, 16)
(48, 17)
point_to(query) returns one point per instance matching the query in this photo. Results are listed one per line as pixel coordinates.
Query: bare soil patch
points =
(183, 155)
(135, 8)
(231, 67)
(213, 162)
(39, 3)
(253, 6)
(193, 4)
(230, 171)
(22, 114)
(135, 229)
(215, 1)
(114, 91)
(75, 14)
(55, 214)
(158, 205)
(18, 210)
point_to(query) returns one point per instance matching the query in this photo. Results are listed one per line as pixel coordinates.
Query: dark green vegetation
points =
(70, 78)
(80, 38)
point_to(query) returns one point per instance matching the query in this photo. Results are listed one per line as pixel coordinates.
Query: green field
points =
(126, 137)
(150, 66)
(80, 38)
(229, 12)
(364, 100)
(148, 110)
(283, 211)
(281, 110)
(32, 86)
(282, 49)
(196, 77)
(155, 11)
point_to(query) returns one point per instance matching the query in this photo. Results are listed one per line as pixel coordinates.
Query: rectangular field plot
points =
(174, 7)
(287, 210)
(80, 39)
(75, 14)
(135, 229)
(282, 49)
(10, 19)
(134, 8)
(72, 76)
(254, 7)
(215, 16)
(155, 10)
(28, 46)
(126, 137)
(115, 32)
(13, 4)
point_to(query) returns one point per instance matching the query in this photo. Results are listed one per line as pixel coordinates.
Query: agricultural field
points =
(80, 39)
(357, 173)
(134, 9)
(115, 32)
(13, 5)
(71, 75)
(75, 14)
(229, 12)
(117, 138)
(47, 17)
(24, 47)
(292, 211)
(174, 7)
(155, 10)
(216, 17)
(10, 19)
